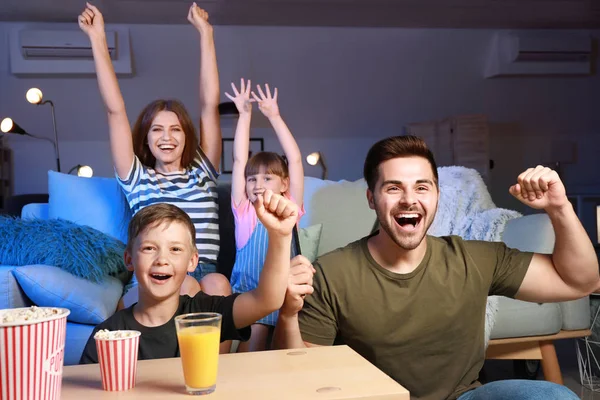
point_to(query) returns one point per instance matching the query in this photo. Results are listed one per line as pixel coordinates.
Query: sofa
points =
(337, 211)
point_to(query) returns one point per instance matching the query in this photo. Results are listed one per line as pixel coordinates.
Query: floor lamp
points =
(317, 158)
(35, 96)
(9, 126)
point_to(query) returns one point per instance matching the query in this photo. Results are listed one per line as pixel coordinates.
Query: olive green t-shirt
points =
(424, 329)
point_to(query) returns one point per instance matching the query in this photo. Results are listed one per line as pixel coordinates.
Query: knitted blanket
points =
(81, 250)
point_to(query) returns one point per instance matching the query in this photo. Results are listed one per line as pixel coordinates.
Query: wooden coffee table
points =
(332, 372)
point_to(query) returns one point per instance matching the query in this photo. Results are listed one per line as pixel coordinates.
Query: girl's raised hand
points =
(241, 98)
(267, 103)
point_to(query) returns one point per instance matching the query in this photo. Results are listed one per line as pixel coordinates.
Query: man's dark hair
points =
(396, 147)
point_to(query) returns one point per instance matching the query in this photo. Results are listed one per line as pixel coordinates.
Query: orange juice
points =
(199, 348)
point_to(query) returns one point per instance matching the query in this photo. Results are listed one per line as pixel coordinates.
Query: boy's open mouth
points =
(160, 278)
(408, 221)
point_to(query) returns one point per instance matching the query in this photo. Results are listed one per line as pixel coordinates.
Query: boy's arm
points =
(241, 140)
(210, 123)
(267, 104)
(278, 215)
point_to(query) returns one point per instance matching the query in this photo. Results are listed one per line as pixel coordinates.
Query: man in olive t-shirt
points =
(414, 305)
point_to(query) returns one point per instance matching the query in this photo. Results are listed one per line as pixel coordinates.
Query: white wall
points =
(341, 89)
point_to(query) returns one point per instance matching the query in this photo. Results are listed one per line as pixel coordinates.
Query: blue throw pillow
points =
(96, 202)
(89, 302)
(78, 249)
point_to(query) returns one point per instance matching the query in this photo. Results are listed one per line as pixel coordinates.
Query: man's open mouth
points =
(408, 220)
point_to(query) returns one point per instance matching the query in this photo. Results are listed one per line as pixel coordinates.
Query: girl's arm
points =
(121, 142)
(210, 124)
(268, 106)
(241, 142)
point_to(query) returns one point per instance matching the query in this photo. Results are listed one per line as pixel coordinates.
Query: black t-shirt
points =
(161, 341)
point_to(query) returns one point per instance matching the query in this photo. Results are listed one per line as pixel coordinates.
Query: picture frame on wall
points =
(256, 145)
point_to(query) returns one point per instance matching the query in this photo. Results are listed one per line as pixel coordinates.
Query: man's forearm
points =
(574, 256)
(287, 333)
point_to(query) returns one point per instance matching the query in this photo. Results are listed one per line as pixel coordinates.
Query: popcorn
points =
(105, 334)
(30, 314)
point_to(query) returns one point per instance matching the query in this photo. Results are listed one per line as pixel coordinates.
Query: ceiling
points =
(352, 13)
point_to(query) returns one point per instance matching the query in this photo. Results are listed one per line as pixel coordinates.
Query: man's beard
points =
(405, 241)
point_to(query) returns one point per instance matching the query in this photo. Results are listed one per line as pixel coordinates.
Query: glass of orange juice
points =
(199, 336)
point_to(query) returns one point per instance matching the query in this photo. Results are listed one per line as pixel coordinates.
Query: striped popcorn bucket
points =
(31, 356)
(118, 361)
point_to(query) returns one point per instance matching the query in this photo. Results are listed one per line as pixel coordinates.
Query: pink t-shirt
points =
(246, 220)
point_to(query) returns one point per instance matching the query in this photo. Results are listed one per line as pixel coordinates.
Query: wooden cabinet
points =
(458, 140)
(6, 173)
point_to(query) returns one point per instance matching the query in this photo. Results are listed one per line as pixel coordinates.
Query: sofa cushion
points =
(576, 314)
(11, 294)
(95, 202)
(89, 302)
(35, 210)
(517, 318)
(341, 207)
(530, 233)
(77, 337)
(309, 241)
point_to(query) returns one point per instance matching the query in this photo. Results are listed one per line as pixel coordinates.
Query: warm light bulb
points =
(313, 158)
(34, 96)
(85, 171)
(6, 125)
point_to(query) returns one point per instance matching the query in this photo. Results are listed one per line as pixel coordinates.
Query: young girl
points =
(250, 178)
(160, 160)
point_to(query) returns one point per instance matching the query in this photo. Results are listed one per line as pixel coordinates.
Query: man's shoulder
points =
(456, 244)
(457, 241)
(340, 256)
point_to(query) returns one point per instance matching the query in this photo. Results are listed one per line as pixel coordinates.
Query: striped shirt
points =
(193, 190)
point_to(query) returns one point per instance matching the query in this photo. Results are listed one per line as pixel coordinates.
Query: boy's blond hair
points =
(155, 215)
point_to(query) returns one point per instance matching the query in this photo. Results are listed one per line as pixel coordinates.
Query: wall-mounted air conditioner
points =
(52, 51)
(522, 53)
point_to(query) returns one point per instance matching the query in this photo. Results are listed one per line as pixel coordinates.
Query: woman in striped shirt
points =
(160, 160)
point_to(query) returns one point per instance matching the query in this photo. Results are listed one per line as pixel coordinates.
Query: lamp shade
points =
(228, 109)
(34, 96)
(313, 158)
(9, 126)
(84, 171)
